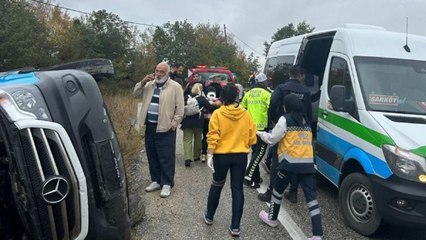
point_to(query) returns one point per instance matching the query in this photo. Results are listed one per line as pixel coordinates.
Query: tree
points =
(174, 42)
(144, 59)
(288, 31)
(214, 49)
(63, 37)
(23, 37)
(35, 34)
(105, 35)
(211, 46)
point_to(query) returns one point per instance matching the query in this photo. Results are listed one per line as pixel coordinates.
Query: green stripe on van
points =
(367, 134)
(420, 151)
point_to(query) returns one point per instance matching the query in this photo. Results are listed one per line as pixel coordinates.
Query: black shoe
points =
(234, 232)
(251, 184)
(265, 197)
(255, 185)
(196, 159)
(207, 221)
(291, 196)
(188, 163)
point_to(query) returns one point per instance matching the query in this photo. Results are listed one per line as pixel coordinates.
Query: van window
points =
(276, 68)
(392, 85)
(339, 75)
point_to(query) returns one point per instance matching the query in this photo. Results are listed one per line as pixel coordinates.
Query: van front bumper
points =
(399, 201)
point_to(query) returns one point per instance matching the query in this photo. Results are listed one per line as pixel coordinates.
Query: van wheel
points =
(357, 204)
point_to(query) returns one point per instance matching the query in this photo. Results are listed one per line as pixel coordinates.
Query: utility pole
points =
(224, 28)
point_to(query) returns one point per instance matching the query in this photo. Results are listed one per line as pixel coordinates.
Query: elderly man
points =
(162, 111)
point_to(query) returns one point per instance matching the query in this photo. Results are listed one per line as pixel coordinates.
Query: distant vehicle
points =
(208, 73)
(99, 68)
(236, 79)
(370, 118)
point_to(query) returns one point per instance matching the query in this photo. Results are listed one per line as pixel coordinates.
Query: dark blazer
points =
(276, 109)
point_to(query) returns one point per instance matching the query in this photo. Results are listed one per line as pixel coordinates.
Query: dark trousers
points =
(161, 152)
(274, 166)
(307, 182)
(294, 182)
(268, 158)
(237, 163)
(258, 151)
(204, 138)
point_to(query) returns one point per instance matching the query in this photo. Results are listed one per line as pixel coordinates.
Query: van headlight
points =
(24, 99)
(23, 102)
(405, 164)
(30, 100)
(13, 112)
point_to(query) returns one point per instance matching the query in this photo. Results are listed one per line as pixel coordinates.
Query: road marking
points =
(286, 220)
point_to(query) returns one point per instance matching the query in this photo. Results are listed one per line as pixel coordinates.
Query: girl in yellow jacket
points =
(231, 134)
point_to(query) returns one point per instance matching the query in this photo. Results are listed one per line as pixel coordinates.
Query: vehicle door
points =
(333, 136)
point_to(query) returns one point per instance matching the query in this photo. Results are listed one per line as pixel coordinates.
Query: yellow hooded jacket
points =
(231, 130)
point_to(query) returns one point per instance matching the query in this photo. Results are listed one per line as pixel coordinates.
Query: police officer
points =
(256, 101)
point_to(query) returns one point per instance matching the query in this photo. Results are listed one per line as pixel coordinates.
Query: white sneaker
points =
(165, 192)
(315, 238)
(152, 187)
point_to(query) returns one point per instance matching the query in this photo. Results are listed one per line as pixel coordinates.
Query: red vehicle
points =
(211, 74)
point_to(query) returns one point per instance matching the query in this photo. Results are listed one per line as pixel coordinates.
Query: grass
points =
(122, 107)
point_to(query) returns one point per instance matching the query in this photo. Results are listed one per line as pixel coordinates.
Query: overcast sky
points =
(254, 21)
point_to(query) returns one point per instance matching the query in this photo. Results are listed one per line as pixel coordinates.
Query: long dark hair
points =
(294, 105)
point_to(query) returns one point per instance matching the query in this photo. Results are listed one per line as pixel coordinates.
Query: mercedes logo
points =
(55, 190)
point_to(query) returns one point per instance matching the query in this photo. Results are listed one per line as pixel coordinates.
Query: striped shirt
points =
(152, 116)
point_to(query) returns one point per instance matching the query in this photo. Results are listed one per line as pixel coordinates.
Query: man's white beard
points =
(161, 80)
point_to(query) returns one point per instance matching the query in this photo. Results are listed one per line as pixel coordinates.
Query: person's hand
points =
(217, 103)
(148, 78)
(258, 133)
(210, 161)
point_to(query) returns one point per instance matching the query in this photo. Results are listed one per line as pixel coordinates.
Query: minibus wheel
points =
(357, 204)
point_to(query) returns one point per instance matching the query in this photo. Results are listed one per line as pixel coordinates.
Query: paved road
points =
(180, 215)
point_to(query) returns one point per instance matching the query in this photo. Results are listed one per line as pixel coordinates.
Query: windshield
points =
(392, 85)
(206, 76)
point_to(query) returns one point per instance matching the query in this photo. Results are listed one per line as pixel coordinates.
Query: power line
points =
(132, 22)
(86, 13)
(229, 30)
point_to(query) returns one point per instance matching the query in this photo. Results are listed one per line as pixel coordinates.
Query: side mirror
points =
(338, 98)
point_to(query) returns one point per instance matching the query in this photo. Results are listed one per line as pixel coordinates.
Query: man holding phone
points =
(162, 112)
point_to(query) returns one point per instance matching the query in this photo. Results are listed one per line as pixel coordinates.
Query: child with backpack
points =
(193, 123)
(295, 154)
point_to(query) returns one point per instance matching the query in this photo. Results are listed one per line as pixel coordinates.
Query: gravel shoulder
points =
(180, 215)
